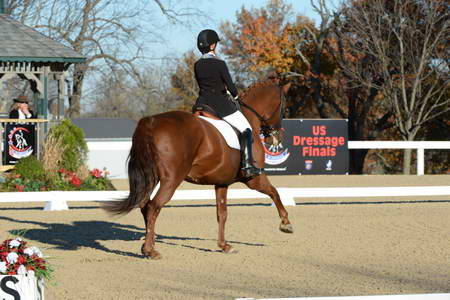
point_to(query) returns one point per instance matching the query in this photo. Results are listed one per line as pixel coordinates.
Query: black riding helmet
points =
(205, 39)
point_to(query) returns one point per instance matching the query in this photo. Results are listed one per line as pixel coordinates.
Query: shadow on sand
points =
(91, 233)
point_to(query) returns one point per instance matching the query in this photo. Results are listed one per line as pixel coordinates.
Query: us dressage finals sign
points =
(309, 147)
(20, 141)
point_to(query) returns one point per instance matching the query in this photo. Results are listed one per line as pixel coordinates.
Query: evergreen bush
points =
(30, 167)
(75, 150)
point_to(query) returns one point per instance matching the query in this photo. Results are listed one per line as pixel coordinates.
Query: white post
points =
(420, 161)
(55, 203)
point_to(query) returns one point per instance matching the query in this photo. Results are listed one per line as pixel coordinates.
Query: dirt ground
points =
(336, 250)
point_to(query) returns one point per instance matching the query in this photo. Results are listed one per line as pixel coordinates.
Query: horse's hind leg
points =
(221, 209)
(261, 184)
(144, 206)
(152, 210)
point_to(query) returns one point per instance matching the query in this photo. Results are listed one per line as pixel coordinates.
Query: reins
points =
(266, 129)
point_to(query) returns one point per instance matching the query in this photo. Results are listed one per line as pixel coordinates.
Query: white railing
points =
(112, 154)
(57, 200)
(420, 146)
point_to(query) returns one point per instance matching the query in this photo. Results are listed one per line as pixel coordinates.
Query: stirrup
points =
(252, 171)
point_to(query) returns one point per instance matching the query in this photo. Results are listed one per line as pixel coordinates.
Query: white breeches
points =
(238, 120)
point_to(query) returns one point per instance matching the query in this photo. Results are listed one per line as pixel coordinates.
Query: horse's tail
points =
(142, 172)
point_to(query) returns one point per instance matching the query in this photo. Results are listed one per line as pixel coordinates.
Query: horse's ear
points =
(285, 88)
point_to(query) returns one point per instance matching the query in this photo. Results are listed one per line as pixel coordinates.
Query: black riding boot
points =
(247, 160)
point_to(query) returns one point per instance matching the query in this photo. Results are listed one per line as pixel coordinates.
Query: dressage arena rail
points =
(420, 146)
(113, 154)
(57, 200)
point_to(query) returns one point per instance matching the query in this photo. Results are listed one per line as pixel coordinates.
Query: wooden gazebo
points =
(32, 56)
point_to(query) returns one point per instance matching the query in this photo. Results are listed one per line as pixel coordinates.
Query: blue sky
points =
(182, 39)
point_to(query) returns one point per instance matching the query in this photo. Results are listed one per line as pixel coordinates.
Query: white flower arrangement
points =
(18, 259)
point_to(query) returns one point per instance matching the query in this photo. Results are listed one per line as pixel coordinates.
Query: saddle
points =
(230, 133)
(205, 111)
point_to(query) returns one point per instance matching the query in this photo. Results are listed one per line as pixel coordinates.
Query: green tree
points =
(75, 148)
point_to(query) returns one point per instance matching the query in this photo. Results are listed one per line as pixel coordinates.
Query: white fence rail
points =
(113, 154)
(57, 200)
(420, 146)
(106, 153)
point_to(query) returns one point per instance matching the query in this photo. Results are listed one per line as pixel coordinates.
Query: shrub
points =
(63, 180)
(75, 149)
(70, 181)
(31, 168)
(19, 184)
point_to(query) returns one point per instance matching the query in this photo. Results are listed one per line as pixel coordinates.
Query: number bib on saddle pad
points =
(227, 132)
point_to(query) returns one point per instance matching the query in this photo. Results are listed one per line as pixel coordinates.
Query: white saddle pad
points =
(227, 132)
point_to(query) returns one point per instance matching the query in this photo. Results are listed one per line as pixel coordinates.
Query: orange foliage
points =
(263, 39)
(183, 82)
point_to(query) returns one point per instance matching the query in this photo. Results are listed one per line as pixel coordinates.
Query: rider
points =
(214, 80)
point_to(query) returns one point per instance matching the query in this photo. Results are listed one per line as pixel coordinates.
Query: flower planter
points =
(21, 287)
(23, 270)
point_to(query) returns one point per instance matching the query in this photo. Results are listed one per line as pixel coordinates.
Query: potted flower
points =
(23, 270)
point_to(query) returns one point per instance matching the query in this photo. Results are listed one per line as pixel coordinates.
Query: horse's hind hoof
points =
(152, 254)
(286, 228)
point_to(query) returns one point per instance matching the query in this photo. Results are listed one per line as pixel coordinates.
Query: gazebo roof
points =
(20, 43)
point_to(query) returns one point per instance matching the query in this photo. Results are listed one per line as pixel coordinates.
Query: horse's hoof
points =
(286, 228)
(152, 254)
(155, 255)
(228, 249)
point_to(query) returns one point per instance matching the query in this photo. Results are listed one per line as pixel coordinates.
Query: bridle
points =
(266, 129)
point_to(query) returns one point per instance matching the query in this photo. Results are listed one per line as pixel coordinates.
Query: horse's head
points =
(265, 103)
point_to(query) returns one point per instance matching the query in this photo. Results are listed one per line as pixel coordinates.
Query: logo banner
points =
(309, 147)
(20, 142)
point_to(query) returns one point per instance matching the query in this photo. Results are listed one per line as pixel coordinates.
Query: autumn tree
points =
(310, 57)
(184, 85)
(404, 47)
(259, 42)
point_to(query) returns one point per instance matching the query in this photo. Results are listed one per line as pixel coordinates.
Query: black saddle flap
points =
(203, 107)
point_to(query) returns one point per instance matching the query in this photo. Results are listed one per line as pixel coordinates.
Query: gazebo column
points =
(39, 86)
(45, 98)
(61, 77)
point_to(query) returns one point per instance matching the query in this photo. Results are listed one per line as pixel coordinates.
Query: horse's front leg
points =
(221, 209)
(261, 184)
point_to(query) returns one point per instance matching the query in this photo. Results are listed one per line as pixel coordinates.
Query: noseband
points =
(267, 129)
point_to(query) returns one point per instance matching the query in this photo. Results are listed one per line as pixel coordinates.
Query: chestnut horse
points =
(175, 146)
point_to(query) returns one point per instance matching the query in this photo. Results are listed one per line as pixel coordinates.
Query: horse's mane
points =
(262, 83)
